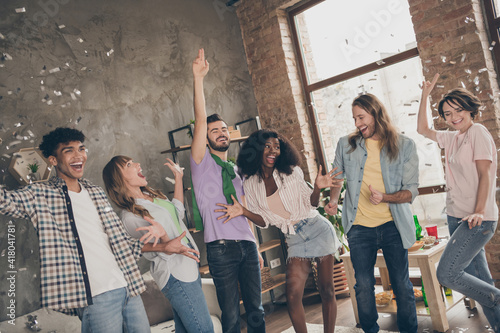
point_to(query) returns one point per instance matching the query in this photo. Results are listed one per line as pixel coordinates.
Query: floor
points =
(461, 318)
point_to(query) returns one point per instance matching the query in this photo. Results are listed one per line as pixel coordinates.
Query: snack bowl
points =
(383, 298)
(416, 246)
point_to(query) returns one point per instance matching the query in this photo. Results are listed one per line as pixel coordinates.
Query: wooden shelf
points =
(279, 279)
(204, 270)
(269, 245)
(187, 147)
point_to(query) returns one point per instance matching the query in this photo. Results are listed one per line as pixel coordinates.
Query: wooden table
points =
(426, 260)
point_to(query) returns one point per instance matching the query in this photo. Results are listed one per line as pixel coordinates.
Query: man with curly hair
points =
(231, 250)
(87, 260)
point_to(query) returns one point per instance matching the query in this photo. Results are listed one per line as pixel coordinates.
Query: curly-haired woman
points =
(277, 194)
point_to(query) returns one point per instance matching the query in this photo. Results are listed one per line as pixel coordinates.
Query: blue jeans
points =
(364, 243)
(230, 263)
(189, 306)
(114, 312)
(463, 266)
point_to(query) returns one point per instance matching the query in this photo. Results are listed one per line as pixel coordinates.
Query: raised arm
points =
(178, 173)
(423, 123)
(198, 146)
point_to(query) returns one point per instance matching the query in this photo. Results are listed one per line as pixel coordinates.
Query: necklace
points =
(458, 143)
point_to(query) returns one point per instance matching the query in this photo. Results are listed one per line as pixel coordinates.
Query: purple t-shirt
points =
(207, 183)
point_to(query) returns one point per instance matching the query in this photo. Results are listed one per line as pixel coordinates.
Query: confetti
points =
(31, 133)
(468, 71)
(492, 45)
(83, 68)
(57, 93)
(73, 97)
(2, 65)
(476, 80)
(170, 180)
(78, 92)
(21, 10)
(18, 124)
(464, 55)
(463, 84)
(428, 61)
(453, 62)
(49, 102)
(7, 56)
(2, 36)
(110, 52)
(443, 58)
(482, 70)
(16, 142)
(80, 40)
(55, 70)
(61, 26)
(380, 62)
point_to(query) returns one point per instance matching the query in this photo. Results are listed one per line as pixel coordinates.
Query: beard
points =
(222, 148)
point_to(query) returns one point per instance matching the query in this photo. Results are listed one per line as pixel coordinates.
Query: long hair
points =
(463, 98)
(117, 190)
(384, 128)
(250, 157)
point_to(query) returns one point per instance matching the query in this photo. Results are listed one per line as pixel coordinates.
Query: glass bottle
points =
(418, 228)
(447, 291)
(423, 293)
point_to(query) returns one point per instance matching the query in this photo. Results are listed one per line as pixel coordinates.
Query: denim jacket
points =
(400, 174)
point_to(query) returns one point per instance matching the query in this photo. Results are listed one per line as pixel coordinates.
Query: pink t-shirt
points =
(461, 152)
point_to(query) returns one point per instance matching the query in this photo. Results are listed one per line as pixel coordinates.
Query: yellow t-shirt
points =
(370, 215)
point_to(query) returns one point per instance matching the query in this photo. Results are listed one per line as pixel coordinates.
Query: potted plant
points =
(33, 169)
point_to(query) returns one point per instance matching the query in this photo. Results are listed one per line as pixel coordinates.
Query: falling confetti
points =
(21, 10)
(380, 62)
(464, 55)
(73, 97)
(468, 71)
(55, 70)
(453, 62)
(57, 93)
(110, 52)
(80, 40)
(443, 58)
(440, 86)
(2, 36)
(62, 26)
(492, 45)
(7, 56)
(170, 180)
(463, 84)
(482, 70)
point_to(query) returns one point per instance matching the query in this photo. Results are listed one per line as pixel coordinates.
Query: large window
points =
(492, 12)
(350, 48)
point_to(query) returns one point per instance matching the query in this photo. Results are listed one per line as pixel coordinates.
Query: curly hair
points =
(251, 154)
(117, 191)
(51, 141)
(463, 98)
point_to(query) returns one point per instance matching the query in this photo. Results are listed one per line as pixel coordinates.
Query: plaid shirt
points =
(64, 281)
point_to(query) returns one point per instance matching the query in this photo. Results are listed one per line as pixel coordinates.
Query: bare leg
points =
(297, 271)
(327, 293)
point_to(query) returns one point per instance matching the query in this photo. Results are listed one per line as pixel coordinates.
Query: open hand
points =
(175, 246)
(428, 86)
(200, 64)
(232, 211)
(154, 231)
(176, 169)
(376, 196)
(328, 180)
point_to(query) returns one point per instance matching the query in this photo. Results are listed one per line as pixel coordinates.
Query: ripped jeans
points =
(463, 266)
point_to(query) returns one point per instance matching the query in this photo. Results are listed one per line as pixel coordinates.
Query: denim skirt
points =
(314, 237)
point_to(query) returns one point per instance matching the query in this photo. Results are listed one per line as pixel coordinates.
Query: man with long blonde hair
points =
(381, 169)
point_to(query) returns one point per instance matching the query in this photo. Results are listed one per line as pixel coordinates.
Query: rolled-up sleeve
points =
(410, 168)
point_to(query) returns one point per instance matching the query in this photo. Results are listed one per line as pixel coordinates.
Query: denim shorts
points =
(314, 237)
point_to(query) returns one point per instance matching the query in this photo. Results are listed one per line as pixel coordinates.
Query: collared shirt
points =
(64, 282)
(208, 188)
(399, 174)
(294, 193)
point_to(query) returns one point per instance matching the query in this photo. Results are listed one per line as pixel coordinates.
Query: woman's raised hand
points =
(428, 86)
(176, 169)
(328, 180)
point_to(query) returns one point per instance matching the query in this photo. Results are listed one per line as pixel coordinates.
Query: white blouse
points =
(294, 193)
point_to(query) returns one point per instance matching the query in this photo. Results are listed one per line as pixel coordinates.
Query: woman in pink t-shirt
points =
(471, 164)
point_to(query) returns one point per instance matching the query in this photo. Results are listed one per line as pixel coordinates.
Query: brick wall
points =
(273, 66)
(452, 40)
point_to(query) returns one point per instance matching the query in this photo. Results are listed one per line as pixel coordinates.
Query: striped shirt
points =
(64, 281)
(294, 193)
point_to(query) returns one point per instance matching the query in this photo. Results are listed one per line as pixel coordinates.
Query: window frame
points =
(493, 24)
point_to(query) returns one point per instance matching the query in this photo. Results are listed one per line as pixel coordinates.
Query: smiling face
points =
(132, 175)
(271, 153)
(364, 122)
(218, 136)
(457, 117)
(69, 161)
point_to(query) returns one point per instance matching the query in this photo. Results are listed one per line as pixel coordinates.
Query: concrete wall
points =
(131, 63)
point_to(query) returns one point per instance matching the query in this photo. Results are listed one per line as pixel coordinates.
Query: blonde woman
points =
(177, 273)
